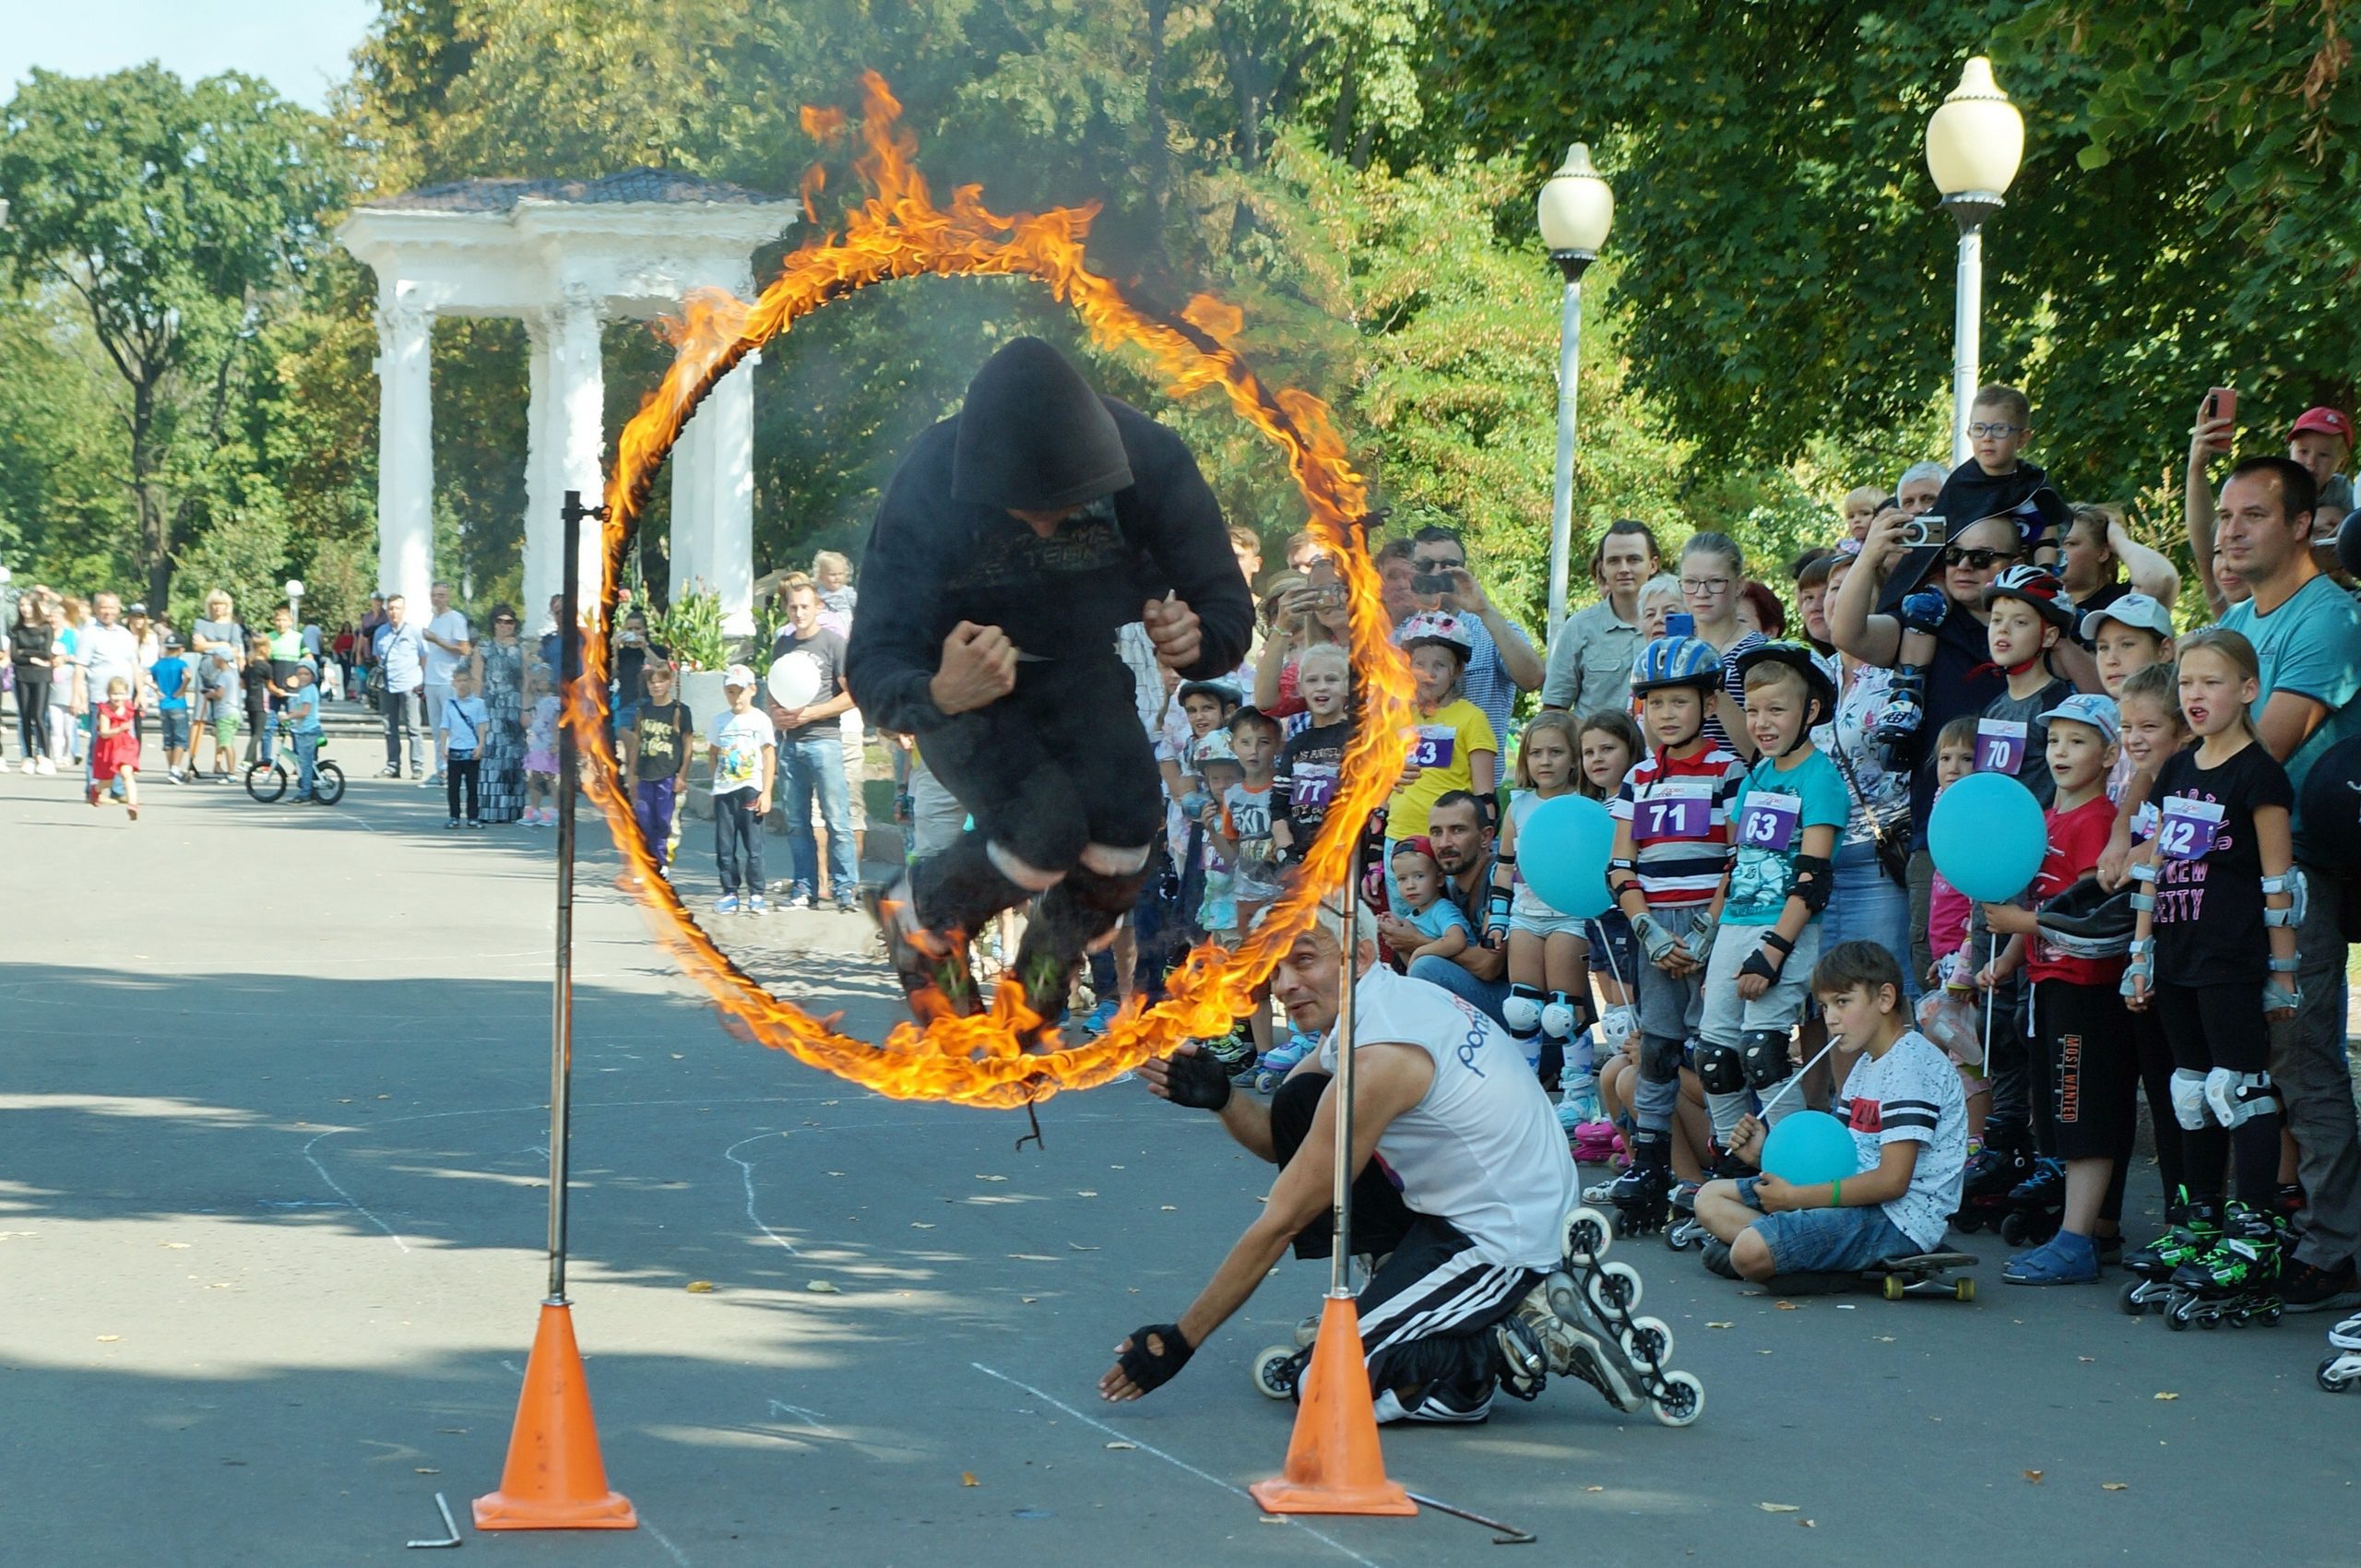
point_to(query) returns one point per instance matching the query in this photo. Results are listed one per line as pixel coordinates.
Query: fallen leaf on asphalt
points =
(921, 1225)
(2087, 1358)
(2168, 1396)
(176, 1246)
(1086, 1195)
(1885, 1338)
(700, 1287)
(452, 1431)
(2034, 1476)
(823, 1288)
(1028, 1300)
(1170, 1208)
(677, 1057)
(1593, 1488)
(1720, 1325)
(1122, 1445)
(1785, 1306)
(424, 1471)
(1807, 1524)
(967, 1478)
(1845, 1307)
(2115, 1486)
(1780, 1507)
(109, 1339)
(981, 1177)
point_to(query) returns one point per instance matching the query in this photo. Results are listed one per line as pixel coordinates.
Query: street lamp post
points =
(1576, 210)
(1975, 142)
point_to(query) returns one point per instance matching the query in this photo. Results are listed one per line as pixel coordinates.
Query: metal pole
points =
(1572, 264)
(569, 642)
(1340, 1261)
(1970, 209)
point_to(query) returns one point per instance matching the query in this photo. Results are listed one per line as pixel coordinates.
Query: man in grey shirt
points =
(1590, 659)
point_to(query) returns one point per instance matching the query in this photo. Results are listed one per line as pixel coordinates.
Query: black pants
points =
(468, 771)
(1428, 1311)
(32, 711)
(2221, 1026)
(2155, 1083)
(2089, 1075)
(738, 843)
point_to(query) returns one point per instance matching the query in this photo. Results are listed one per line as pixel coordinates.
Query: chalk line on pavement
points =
(746, 1174)
(1151, 1449)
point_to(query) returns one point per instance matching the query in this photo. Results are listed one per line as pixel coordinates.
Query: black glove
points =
(1194, 1078)
(1153, 1372)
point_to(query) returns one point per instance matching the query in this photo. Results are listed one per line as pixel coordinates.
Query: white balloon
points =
(795, 680)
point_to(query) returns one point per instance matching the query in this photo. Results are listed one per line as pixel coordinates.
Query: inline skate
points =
(2237, 1282)
(2342, 1367)
(1685, 1232)
(1274, 1067)
(1993, 1172)
(2192, 1228)
(1582, 1316)
(1641, 1194)
(2036, 1205)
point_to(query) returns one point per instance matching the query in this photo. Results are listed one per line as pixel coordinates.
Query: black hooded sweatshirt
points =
(943, 548)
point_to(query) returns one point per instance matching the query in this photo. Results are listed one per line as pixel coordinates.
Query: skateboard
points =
(1920, 1274)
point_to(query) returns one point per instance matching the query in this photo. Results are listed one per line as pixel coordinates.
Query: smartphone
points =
(1680, 623)
(2221, 403)
(1432, 582)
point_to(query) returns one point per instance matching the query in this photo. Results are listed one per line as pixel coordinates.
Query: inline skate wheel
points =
(1307, 1331)
(1648, 1341)
(1683, 1401)
(2132, 1303)
(1677, 1236)
(1275, 1371)
(1587, 1235)
(2333, 1379)
(1616, 1287)
(2269, 1317)
(2176, 1316)
(2016, 1230)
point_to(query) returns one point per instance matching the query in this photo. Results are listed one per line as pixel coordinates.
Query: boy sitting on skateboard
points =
(1909, 1123)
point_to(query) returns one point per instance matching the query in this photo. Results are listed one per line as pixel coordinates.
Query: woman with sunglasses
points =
(1712, 575)
(500, 680)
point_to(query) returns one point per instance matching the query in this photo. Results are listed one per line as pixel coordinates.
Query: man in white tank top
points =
(1444, 1101)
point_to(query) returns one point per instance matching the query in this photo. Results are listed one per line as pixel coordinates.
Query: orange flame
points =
(898, 232)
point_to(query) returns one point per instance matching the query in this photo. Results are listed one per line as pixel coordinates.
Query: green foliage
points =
(245, 552)
(691, 627)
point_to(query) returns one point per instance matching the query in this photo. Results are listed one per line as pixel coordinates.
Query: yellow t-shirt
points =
(1445, 740)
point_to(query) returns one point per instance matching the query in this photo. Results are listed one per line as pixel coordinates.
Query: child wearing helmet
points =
(1787, 812)
(2029, 611)
(1455, 747)
(1672, 851)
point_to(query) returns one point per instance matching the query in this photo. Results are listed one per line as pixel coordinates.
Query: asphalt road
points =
(272, 1123)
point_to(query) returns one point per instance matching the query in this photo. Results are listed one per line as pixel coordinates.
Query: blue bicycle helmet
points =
(1676, 661)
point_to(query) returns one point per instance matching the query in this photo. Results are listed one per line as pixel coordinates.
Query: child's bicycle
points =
(266, 781)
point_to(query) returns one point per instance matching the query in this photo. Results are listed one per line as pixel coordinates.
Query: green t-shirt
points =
(1767, 821)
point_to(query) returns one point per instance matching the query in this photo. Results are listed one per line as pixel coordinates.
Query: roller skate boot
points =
(2192, 1228)
(2036, 1205)
(2342, 1367)
(1281, 1060)
(936, 973)
(1235, 1051)
(2237, 1282)
(1640, 1195)
(1685, 1231)
(1993, 1172)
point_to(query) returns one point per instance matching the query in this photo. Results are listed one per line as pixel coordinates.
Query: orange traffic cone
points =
(1333, 1465)
(554, 1479)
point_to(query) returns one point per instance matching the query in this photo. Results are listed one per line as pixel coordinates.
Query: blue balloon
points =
(1810, 1147)
(1988, 837)
(1562, 849)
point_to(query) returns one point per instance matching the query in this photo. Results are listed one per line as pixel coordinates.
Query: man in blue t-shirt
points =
(2306, 637)
(400, 651)
(174, 682)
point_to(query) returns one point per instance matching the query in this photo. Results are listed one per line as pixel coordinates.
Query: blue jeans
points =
(1866, 905)
(1487, 996)
(819, 761)
(1827, 1240)
(738, 843)
(307, 756)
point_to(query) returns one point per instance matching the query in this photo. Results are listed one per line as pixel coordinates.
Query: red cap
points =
(2327, 421)
(1419, 844)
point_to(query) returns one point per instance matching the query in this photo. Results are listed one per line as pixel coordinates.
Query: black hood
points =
(1034, 436)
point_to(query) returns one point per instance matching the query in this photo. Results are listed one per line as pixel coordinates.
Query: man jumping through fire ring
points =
(1014, 540)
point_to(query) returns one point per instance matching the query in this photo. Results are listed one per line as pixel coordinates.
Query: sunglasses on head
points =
(1973, 560)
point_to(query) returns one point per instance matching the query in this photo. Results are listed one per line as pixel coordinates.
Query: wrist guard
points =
(1653, 940)
(1195, 1079)
(1700, 942)
(1150, 1370)
(2141, 966)
(2292, 883)
(1770, 959)
(2275, 995)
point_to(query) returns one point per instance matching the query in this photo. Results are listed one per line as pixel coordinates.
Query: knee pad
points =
(1522, 1011)
(1558, 1018)
(1719, 1069)
(2238, 1096)
(1765, 1053)
(1660, 1059)
(2189, 1098)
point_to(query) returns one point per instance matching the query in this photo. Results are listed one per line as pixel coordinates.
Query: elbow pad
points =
(2299, 894)
(1815, 881)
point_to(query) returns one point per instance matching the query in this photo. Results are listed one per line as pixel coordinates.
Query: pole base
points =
(1333, 1465)
(554, 1479)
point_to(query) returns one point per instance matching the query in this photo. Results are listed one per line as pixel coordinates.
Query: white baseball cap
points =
(738, 675)
(2133, 609)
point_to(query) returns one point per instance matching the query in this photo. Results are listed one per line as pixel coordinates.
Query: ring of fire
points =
(900, 232)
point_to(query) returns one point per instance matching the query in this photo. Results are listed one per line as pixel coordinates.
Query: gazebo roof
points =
(494, 196)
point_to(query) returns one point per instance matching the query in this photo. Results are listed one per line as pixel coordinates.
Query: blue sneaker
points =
(1097, 1021)
(2064, 1259)
(729, 905)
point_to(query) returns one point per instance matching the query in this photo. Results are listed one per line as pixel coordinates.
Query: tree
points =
(169, 215)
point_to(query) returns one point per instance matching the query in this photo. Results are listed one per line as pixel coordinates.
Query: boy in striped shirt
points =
(1672, 851)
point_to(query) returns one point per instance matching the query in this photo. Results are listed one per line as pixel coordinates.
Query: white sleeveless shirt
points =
(1482, 1149)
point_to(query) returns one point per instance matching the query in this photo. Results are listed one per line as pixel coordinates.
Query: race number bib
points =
(1671, 816)
(1435, 746)
(1769, 821)
(2000, 746)
(2186, 831)
(1315, 788)
(2144, 820)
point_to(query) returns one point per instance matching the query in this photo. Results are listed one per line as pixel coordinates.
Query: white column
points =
(577, 413)
(404, 450)
(542, 536)
(730, 541)
(691, 566)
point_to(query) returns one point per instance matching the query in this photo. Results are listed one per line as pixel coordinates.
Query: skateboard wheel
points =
(1274, 1373)
(1614, 1288)
(1683, 1401)
(1894, 1287)
(1587, 1235)
(1963, 1290)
